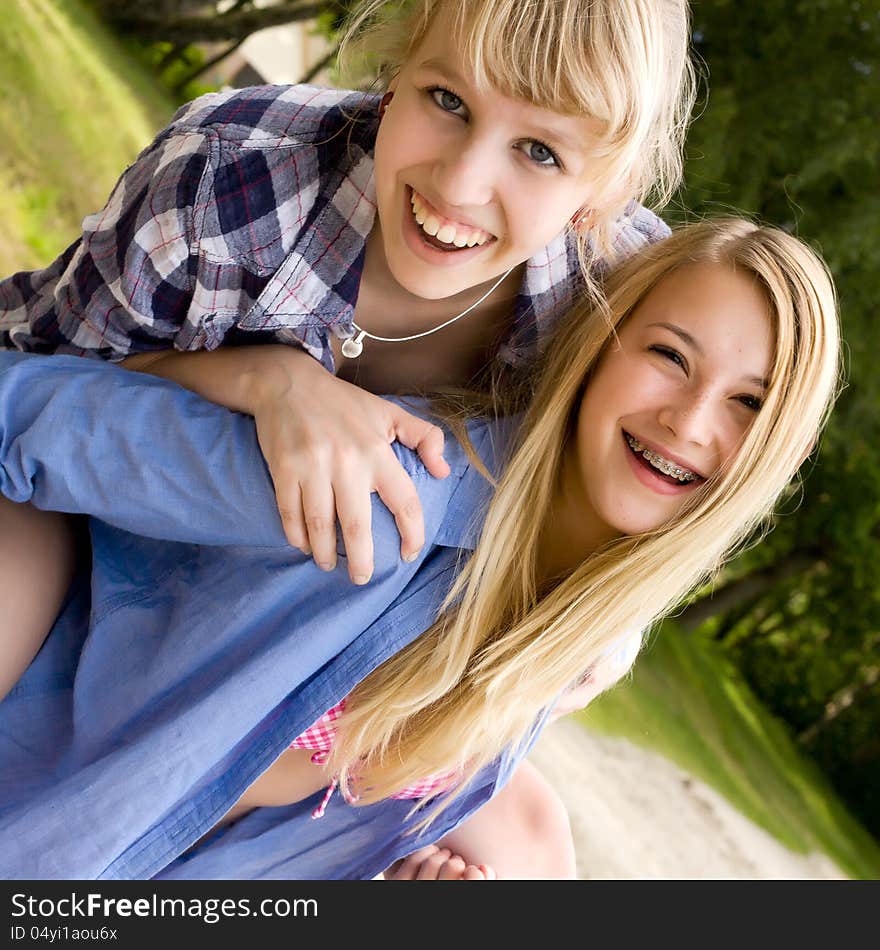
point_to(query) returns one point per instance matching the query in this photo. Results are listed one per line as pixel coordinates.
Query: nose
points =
(691, 418)
(464, 173)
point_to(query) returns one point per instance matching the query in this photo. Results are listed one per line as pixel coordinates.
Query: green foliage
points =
(78, 111)
(790, 133)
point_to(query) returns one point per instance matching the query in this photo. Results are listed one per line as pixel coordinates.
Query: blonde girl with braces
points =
(656, 438)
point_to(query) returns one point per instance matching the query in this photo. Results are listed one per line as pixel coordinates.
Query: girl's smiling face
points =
(670, 401)
(470, 183)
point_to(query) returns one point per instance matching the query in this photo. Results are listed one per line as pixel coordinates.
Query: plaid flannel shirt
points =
(245, 221)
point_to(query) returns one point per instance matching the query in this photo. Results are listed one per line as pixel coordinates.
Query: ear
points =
(583, 219)
(384, 102)
(611, 203)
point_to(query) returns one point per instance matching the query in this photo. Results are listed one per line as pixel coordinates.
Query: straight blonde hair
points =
(501, 651)
(623, 62)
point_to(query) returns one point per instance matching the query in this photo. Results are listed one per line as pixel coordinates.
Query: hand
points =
(437, 864)
(328, 446)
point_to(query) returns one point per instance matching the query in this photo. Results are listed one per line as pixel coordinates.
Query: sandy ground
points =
(635, 815)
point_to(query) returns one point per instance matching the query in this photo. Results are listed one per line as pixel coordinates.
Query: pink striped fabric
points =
(319, 738)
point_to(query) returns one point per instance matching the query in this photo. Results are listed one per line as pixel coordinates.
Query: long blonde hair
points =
(501, 650)
(624, 62)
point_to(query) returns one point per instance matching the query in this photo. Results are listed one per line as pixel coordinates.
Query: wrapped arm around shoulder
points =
(327, 443)
(140, 453)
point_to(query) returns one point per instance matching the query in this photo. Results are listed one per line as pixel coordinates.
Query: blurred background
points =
(765, 690)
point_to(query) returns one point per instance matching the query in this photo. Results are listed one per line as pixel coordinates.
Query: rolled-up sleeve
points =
(127, 283)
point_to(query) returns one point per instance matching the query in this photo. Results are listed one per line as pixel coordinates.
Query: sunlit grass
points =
(74, 112)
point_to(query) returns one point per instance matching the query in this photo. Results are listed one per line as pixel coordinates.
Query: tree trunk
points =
(237, 24)
(745, 589)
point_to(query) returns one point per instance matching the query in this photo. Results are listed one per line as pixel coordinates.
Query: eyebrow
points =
(691, 341)
(447, 70)
(553, 135)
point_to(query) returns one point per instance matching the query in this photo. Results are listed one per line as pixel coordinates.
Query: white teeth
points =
(447, 233)
(431, 225)
(660, 463)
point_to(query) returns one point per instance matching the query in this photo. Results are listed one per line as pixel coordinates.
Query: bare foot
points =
(437, 864)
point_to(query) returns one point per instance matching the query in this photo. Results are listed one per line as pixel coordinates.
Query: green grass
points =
(75, 110)
(687, 702)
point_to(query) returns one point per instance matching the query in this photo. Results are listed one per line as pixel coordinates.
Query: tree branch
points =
(203, 67)
(840, 701)
(313, 71)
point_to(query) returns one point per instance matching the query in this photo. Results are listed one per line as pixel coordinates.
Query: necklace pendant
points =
(353, 346)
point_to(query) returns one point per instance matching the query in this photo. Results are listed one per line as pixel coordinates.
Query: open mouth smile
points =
(660, 467)
(443, 233)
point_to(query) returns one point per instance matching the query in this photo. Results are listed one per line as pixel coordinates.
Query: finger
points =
(425, 438)
(453, 869)
(431, 865)
(354, 510)
(397, 491)
(473, 873)
(319, 512)
(289, 498)
(489, 872)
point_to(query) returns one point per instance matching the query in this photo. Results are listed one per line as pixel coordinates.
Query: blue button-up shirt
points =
(201, 644)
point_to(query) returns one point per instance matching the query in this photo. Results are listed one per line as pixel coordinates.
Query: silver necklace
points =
(354, 345)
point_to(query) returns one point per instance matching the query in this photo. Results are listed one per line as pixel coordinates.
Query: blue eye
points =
(541, 154)
(446, 99)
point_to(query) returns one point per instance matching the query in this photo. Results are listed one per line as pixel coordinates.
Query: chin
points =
(631, 520)
(424, 282)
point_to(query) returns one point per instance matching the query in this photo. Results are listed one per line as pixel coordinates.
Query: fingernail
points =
(409, 558)
(361, 578)
(326, 565)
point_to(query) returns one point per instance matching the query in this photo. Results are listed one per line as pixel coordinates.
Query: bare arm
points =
(37, 558)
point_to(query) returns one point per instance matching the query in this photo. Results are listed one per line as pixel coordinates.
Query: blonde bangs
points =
(514, 49)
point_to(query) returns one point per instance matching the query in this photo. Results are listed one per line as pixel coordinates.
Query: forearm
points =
(140, 454)
(240, 378)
